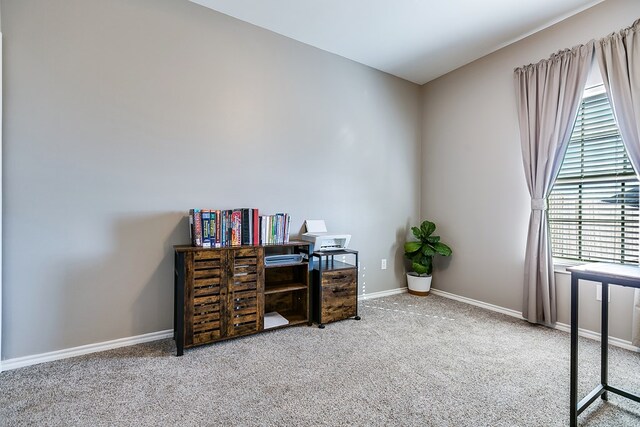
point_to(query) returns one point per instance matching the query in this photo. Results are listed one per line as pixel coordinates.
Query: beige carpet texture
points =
(410, 361)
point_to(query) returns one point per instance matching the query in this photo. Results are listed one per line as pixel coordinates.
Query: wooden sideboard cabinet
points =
(222, 293)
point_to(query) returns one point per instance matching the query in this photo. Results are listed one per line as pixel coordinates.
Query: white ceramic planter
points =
(418, 285)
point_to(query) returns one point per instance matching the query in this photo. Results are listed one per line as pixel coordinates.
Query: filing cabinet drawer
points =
(339, 295)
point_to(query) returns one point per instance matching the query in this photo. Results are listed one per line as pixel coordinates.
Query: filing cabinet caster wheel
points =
(321, 326)
(357, 318)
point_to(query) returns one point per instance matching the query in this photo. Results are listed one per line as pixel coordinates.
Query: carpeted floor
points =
(409, 362)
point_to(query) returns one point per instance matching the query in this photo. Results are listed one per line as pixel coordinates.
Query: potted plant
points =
(421, 255)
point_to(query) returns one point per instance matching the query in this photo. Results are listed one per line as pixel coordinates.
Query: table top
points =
(608, 270)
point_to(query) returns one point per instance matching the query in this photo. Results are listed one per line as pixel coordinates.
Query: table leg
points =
(573, 397)
(604, 339)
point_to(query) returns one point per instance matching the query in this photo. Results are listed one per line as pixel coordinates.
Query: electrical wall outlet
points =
(383, 264)
(599, 293)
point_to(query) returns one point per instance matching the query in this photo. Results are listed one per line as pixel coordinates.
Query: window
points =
(593, 206)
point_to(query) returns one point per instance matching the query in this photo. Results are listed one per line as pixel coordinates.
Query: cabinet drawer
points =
(339, 279)
(339, 295)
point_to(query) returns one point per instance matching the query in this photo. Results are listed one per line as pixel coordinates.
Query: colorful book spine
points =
(223, 228)
(206, 228)
(244, 232)
(281, 229)
(197, 227)
(276, 226)
(286, 230)
(250, 224)
(236, 228)
(218, 229)
(256, 227)
(272, 225)
(230, 228)
(265, 229)
(212, 227)
(279, 238)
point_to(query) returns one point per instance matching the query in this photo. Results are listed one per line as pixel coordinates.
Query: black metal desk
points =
(607, 274)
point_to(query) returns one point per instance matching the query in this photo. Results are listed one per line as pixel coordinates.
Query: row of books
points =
(211, 228)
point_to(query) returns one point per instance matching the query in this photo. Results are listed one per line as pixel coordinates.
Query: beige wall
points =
(121, 115)
(473, 182)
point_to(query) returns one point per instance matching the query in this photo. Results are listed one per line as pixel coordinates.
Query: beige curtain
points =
(619, 59)
(548, 95)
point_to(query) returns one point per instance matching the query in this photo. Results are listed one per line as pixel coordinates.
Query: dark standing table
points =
(607, 274)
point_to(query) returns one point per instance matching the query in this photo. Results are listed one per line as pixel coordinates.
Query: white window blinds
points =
(593, 206)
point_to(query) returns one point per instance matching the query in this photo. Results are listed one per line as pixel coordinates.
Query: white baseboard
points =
(559, 326)
(597, 337)
(496, 308)
(382, 294)
(20, 362)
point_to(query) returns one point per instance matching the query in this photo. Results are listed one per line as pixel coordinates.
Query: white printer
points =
(321, 240)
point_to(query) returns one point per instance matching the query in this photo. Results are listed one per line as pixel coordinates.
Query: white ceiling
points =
(417, 40)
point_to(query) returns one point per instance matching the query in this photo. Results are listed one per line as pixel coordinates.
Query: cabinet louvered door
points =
(245, 291)
(204, 296)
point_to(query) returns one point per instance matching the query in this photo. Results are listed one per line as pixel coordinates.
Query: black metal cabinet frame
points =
(325, 261)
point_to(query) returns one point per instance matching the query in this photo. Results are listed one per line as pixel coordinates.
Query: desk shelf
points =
(287, 287)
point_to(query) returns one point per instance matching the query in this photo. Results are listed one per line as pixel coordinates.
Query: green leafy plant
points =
(421, 253)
